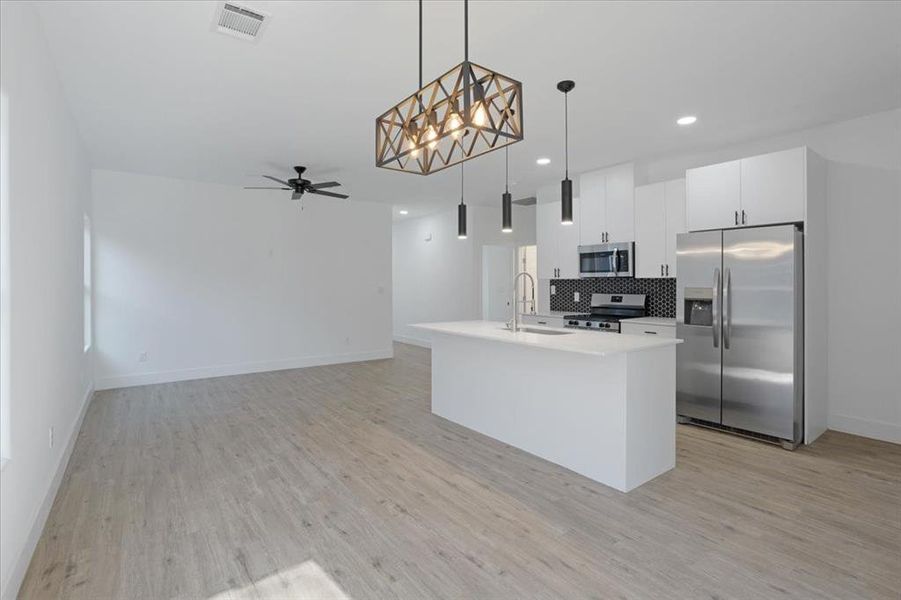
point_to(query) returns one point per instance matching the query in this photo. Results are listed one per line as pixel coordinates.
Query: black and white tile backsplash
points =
(661, 293)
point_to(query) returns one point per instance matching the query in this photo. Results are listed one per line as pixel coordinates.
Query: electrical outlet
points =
(553, 290)
(347, 341)
(142, 357)
(51, 436)
(575, 296)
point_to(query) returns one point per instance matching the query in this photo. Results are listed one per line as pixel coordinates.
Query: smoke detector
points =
(239, 21)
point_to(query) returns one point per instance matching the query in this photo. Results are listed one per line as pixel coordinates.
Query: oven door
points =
(607, 260)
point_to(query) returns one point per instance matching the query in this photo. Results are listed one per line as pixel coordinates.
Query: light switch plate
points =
(575, 296)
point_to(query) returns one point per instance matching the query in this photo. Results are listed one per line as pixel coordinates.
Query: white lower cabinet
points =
(544, 320)
(647, 329)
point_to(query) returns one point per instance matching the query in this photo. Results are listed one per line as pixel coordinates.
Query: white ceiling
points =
(155, 91)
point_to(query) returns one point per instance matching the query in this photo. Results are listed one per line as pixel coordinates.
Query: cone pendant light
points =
(566, 186)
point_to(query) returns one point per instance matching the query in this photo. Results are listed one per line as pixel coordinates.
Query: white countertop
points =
(651, 321)
(548, 313)
(583, 342)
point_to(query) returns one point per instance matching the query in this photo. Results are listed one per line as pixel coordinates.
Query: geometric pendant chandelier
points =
(469, 111)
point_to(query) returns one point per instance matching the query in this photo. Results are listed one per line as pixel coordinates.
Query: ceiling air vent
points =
(239, 21)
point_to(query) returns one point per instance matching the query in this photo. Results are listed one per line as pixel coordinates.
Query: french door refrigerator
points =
(740, 314)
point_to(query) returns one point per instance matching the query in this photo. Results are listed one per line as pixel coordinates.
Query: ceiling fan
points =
(299, 186)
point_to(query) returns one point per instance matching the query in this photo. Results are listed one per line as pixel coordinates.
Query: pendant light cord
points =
(420, 45)
(566, 132)
(461, 183)
(466, 30)
(507, 168)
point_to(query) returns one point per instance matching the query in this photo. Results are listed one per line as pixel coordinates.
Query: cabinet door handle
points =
(661, 270)
(542, 322)
(651, 332)
(736, 217)
(667, 270)
(742, 217)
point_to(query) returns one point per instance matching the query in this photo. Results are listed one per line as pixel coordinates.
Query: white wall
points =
(864, 250)
(50, 378)
(213, 280)
(440, 280)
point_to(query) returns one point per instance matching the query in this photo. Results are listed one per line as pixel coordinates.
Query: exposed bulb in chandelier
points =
(454, 123)
(430, 136)
(479, 115)
(412, 134)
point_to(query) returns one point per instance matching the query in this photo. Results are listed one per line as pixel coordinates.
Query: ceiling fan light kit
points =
(469, 111)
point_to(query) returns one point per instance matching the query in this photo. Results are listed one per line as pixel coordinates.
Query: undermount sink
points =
(542, 331)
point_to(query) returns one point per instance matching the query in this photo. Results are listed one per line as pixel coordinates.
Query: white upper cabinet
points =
(760, 190)
(558, 244)
(773, 187)
(650, 230)
(568, 243)
(608, 205)
(547, 220)
(674, 194)
(620, 222)
(593, 197)
(713, 196)
(659, 218)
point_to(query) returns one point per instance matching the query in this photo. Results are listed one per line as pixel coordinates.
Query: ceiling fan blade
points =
(276, 179)
(329, 194)
(266, 188)
(327, 184)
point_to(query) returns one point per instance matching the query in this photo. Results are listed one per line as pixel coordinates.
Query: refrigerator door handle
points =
(715, 308)
(727, 309)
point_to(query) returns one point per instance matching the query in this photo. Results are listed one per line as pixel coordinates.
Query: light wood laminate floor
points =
(337, 481)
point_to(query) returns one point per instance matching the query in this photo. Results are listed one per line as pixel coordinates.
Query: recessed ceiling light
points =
(404, 212)
(543, 161)
(686, 120)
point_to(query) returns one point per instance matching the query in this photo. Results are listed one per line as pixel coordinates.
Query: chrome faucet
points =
(515, 322)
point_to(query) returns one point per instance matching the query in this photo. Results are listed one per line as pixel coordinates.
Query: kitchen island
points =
(600, 404)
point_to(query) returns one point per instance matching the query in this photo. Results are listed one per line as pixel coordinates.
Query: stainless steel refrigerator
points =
(740, 312)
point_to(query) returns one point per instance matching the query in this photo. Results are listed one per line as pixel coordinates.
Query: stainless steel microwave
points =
(607, 260)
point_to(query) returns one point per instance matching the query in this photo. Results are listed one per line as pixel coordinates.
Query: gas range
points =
(607, 310)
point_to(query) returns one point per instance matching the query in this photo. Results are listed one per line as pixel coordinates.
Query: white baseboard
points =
(135, 379)
(11, 590)
(421, 342)
(879, 430)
